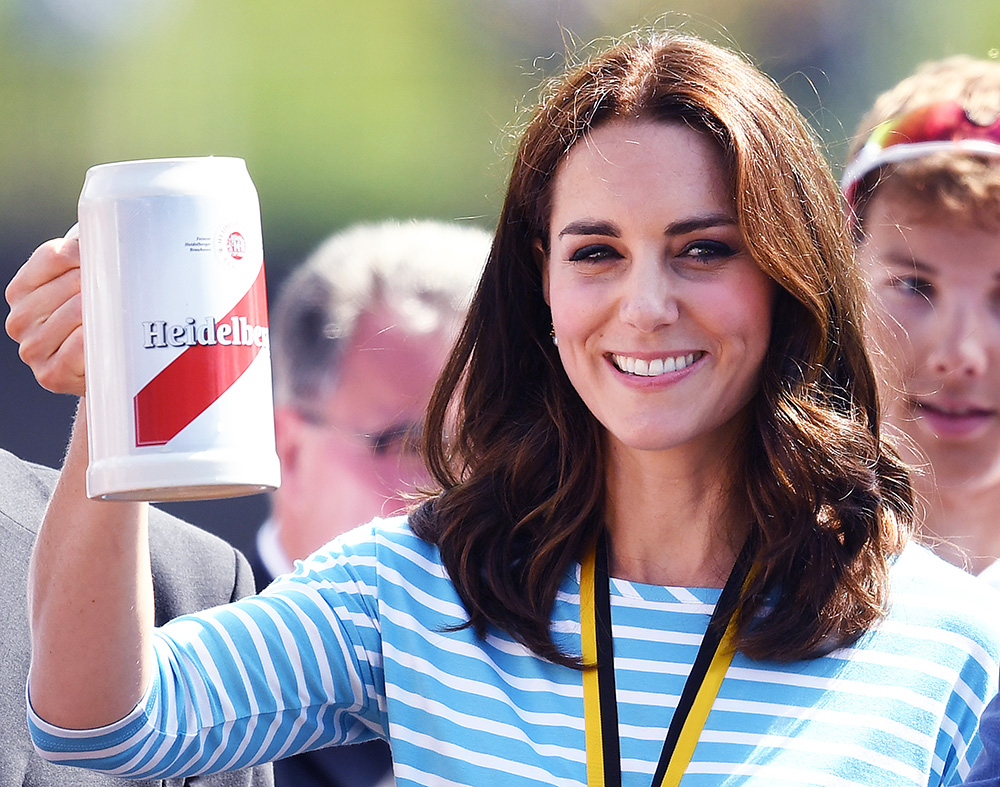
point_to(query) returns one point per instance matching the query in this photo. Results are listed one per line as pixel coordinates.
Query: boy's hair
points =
(949, 185)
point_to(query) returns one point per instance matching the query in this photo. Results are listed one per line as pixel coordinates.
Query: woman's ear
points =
(542, 261)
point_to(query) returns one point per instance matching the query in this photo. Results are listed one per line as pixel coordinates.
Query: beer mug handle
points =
(73, 233)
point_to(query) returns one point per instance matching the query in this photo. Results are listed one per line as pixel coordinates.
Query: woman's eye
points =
(594, 252)
(706, 250)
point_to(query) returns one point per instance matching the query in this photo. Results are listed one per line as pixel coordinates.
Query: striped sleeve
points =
(294, 668)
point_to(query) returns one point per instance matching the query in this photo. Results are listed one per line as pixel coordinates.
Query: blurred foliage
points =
(352, 111)
(343, 111)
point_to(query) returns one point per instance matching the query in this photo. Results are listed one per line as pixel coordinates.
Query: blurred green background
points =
(349, 111)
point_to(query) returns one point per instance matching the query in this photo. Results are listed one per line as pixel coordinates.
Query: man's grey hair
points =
(424, 272)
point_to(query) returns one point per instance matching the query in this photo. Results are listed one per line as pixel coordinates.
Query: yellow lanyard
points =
(600, 706)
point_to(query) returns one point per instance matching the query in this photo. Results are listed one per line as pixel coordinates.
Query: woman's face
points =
(937, 320)
(662, 317)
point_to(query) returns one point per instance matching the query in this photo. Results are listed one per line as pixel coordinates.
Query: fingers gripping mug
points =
(175, 329)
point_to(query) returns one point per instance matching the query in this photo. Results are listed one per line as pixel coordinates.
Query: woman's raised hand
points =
(46, 317)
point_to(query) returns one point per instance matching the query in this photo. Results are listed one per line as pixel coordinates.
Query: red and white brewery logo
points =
(232, 245)
(236, 245)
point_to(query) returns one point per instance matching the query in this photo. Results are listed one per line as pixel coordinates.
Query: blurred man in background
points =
(360, 333)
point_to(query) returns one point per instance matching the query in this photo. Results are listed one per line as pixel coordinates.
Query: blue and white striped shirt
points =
(356, 643)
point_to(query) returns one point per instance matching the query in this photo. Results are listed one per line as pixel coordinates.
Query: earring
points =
(555, 339)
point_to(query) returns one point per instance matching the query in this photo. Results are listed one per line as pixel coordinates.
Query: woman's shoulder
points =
(379, 544)
(381, 565)
(393, 533)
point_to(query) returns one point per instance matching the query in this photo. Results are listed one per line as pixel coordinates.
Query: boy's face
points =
(936, 318)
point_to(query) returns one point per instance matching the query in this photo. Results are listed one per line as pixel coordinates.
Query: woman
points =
(660, 392)
(925, 188)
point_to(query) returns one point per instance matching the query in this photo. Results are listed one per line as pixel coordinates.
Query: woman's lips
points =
(654, 367)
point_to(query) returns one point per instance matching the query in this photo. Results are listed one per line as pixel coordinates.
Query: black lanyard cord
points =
(710, 644)
(606, 665)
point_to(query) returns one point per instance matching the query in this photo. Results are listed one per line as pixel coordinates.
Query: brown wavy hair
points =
(518, 456)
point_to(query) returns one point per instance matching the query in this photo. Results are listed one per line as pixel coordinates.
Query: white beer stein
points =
(175, 327)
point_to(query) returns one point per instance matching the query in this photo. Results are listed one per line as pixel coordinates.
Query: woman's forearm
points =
(90, 602)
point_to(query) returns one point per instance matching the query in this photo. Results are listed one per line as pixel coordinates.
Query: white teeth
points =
(643, 368)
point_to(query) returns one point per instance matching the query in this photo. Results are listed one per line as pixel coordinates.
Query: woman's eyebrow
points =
(696, 223)
(590, 227)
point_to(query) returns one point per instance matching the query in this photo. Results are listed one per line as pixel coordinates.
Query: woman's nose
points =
(650, 296)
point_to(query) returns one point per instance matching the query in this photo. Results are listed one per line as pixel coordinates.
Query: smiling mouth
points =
(640, 367)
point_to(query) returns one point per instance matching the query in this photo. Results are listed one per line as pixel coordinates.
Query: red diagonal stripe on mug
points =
(197, 377)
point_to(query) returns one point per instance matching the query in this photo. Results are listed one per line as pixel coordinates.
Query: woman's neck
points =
(672, 523)
(960, 523)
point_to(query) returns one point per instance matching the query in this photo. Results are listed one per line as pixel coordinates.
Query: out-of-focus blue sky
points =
(349, 111)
